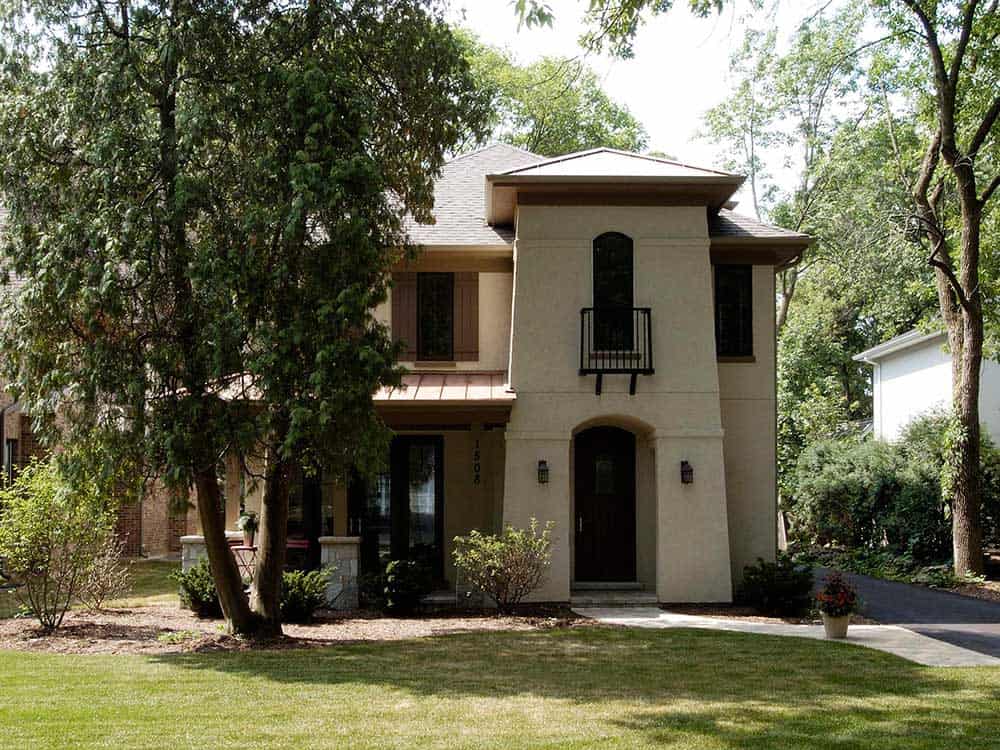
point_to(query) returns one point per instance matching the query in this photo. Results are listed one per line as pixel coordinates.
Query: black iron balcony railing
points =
(616, 341)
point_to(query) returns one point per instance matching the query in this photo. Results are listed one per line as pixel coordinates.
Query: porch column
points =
(525, 498)
(692, 555)
(341, 552)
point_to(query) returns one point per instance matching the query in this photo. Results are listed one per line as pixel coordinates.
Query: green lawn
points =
(585, 687)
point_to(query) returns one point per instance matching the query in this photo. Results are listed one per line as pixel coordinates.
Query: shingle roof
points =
(460, 199)
(609, 162)
(729, 225)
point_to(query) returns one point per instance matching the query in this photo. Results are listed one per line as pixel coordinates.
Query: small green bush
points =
(197, 590)
(51, 531)
(781, 588)
(406, 583)
(508, 566)
(303, 592)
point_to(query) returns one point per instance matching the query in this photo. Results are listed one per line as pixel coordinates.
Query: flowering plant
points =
(837, 597)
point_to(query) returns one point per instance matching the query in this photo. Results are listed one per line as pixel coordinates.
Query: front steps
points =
(611, 595)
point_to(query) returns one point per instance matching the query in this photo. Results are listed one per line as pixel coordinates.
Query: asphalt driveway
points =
(960, 620)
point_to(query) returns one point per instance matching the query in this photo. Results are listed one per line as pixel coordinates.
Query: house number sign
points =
(476, 464)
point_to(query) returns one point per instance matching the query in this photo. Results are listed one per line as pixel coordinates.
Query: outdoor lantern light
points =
(543, 472)
(687, 473)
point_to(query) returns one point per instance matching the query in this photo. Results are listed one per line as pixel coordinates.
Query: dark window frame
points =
(10, 459)
(613, 320)
(447, 309)
(733, 317)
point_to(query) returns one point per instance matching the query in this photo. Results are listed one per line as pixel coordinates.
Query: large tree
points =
(205, 200)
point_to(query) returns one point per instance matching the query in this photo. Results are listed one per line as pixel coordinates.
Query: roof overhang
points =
(504, 192)
(900, 343)
(780, 252)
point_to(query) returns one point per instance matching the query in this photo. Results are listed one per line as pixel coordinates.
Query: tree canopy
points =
(552, 106)
(205, 202)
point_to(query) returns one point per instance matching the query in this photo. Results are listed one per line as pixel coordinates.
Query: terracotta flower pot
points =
(835, 627)
(248, 535)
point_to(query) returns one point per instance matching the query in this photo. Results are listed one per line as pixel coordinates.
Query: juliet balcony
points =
(616, 341)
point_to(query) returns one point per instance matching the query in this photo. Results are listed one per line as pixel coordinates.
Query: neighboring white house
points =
(912, 375)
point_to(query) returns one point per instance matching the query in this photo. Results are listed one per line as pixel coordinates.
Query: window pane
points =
(378, 518)
(604, 475)
(435, 315)
(733, 310)
(423, 520)
(613, 292)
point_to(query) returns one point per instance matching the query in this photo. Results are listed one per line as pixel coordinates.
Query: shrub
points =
(780, 588)
(108, 577)
(888, 497)
(837, 597)
(303, 592)
(50, 534)
(406, 582)
(197, 590)
(506, 567)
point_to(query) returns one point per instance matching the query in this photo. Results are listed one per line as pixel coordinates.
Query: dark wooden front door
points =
(605, 505)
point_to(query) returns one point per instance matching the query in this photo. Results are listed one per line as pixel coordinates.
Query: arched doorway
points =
(604, 474)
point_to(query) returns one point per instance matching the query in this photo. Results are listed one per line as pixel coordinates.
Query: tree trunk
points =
(272, 546)
(240, 620)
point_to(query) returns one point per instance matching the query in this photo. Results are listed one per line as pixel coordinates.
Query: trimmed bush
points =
(506, 567)
(197, 590)
(781, 588)
(406, 583)
(303, 592)
(50, 534)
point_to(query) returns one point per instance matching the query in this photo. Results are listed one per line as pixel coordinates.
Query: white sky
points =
(679, 71)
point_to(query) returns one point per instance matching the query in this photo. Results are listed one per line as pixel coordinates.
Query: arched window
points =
(613, 277)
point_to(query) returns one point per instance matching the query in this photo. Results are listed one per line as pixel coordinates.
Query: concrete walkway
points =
(890, 638)
(959, 620)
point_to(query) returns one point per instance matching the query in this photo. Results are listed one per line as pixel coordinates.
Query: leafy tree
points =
(205, 200)
(552, 106)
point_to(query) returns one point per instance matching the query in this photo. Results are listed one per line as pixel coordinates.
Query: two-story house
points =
(591, 342)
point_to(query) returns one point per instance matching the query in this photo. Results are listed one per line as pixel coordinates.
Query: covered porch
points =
(443, 477)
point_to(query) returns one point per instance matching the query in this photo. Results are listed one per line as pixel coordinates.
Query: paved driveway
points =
(960, 620)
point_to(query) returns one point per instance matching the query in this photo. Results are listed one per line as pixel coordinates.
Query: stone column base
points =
(342, 552)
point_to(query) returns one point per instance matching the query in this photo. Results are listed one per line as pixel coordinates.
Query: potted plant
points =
(248, 524)
(836, 600)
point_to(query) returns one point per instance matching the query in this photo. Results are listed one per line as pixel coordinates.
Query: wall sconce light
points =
(687, 473)
(543, 472)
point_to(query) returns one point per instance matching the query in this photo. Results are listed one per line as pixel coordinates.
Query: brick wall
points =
(163, 523)
(128, 527)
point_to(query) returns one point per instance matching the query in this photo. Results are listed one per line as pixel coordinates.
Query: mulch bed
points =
(740, 612)
(166, 629)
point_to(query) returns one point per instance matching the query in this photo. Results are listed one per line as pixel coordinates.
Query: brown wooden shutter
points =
(466, 323)
(404, 313)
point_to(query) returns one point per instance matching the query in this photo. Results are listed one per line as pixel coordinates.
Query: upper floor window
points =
(734, 310)
(613, 285)
(435, 315)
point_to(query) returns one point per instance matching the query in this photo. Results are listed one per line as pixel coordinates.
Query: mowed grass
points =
(151, 584)
(578, 688)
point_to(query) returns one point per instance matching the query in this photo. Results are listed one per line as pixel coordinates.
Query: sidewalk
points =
(890, 638)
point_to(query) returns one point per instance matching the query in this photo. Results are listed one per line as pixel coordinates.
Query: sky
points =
(680, 68)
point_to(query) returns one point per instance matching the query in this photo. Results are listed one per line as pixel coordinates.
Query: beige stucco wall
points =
(677, 407)
(747, 393)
